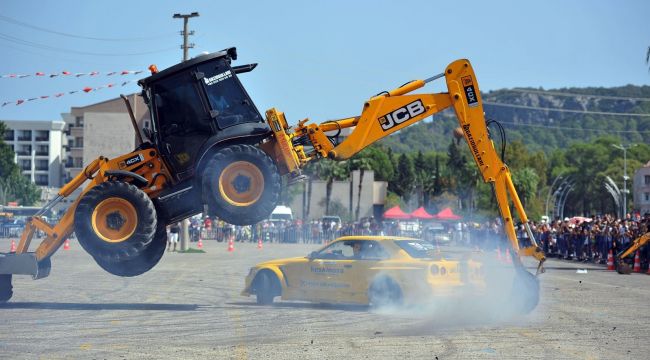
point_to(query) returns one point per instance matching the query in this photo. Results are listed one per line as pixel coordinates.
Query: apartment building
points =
(38, 146)
(101, 129)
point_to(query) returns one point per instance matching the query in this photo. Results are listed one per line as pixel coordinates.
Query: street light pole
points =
(625, 177)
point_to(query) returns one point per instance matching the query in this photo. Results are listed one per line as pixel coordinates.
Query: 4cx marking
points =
(402, 114)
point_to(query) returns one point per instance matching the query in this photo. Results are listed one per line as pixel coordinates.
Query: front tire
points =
(145, 261)
(6, 289)
(266, 288)
(115, 221)
(241, 184)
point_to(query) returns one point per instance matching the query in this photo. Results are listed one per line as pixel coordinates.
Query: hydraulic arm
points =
(393, 110)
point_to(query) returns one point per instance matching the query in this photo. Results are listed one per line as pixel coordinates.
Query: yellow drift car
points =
(374, 270)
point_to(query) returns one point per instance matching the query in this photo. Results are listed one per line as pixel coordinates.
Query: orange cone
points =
(259, 244)
(200, 244)
(610, 261)
(637, 263)
(13, 246)
(66, 245)
(508, 258)
(231, 245)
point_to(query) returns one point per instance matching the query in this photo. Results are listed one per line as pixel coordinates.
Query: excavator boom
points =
(394, 110)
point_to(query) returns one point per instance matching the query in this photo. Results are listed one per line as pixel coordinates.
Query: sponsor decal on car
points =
(324, 270)
(323, 284)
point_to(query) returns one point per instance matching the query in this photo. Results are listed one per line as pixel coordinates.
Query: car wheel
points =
(6, 289)
(241, 184)
(384, 291)
(266, 287)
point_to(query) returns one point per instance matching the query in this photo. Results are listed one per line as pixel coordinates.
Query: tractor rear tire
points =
(241, 184)
(145, 261)
(6, 289)
(115, 221)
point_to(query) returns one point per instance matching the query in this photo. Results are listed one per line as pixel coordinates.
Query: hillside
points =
(518, 110)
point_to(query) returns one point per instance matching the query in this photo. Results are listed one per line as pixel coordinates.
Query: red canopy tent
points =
(447, 214)
(396, 213)
(422, 214)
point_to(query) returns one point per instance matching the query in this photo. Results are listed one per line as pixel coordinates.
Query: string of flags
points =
(68, 73)
(86, 89)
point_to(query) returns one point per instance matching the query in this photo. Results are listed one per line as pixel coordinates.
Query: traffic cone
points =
(200, 243)
(499, 258)
(508, 258)
(66, 245)
(637, 263)
(259, 244)
(610, 261)
(231, 245)
(13, 246)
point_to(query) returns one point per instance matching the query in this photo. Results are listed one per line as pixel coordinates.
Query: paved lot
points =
(189, 307)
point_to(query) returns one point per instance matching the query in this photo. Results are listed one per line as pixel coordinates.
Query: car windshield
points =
(418, 249)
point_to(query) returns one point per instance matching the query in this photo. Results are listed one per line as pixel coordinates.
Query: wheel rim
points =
(114, 220)
(241, 183)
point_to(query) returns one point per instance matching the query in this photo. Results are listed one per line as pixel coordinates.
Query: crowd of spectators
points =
(578, 239)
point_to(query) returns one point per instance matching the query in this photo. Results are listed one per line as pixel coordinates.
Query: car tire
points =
(241, 184)
(115, 221)
(266, 287)
(143, 262)
(6, 289)
(383, 292)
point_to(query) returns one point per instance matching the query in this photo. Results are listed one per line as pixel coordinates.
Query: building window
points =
(646, 179)
(647, 196)
(79, 121)
(40, 180)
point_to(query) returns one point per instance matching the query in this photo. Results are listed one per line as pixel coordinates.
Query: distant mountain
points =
(522, 114)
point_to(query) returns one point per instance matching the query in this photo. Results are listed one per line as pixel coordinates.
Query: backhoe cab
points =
(209, 145)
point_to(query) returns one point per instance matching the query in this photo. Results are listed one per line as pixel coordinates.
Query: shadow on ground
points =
(101, 306)
(304, 305)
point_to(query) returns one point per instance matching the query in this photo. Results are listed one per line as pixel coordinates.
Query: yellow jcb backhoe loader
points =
(210, 145)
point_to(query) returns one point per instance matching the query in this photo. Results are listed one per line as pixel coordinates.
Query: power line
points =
(575, 128)
(19, 41)
(20, 23)
(557, 93)
(563, 110)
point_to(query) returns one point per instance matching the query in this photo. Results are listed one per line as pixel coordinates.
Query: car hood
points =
(284, 261)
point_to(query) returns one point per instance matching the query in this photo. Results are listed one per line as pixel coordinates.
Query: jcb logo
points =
(402, 114)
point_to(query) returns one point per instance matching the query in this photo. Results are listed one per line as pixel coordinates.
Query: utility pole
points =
(185, 33)
(185, 224)
(625, 177)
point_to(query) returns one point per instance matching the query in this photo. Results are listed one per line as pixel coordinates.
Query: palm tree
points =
(330, 171)
(362, 164)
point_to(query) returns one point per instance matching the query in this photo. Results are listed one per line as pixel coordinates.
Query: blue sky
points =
(321, 59)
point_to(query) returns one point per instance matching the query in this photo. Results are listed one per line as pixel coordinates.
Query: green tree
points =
(14, 186)
(405, 178)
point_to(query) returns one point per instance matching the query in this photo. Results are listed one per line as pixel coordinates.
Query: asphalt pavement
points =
(189, 306)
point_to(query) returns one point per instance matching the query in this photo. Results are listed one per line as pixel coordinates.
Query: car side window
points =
(372, 250)
(337, 250)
